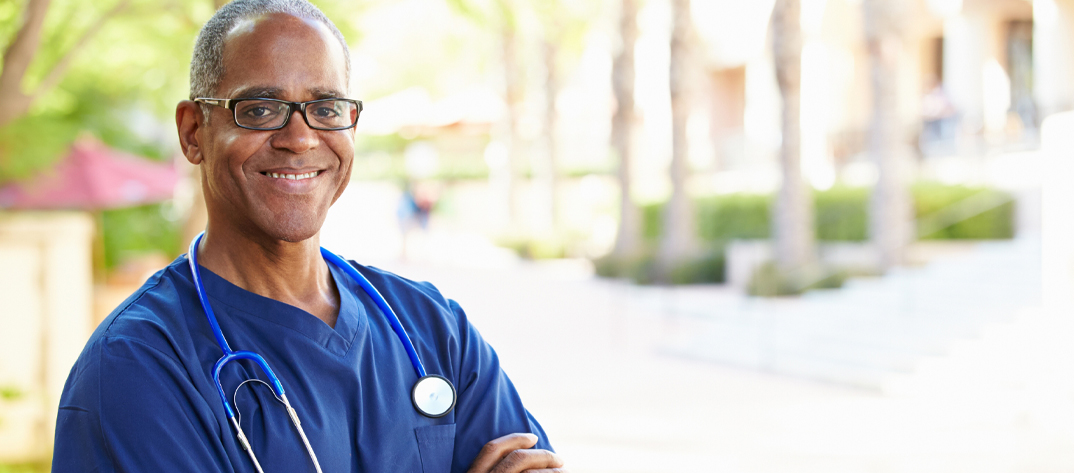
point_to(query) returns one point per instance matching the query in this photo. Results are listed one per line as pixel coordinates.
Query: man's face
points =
(293, 59)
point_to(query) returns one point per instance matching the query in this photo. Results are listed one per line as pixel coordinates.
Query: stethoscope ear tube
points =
(432, 395)
(378, 299)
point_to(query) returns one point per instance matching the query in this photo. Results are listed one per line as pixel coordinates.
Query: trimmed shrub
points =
(994, 223)
(769, 281)
(734, 216)
(707, 267)
(841, 214)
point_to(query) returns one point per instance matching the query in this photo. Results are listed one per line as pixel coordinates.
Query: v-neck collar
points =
(249, 305)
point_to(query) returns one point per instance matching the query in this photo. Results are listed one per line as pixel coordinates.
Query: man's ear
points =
(189, 120)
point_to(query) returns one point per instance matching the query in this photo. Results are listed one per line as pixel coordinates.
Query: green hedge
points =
(841, 214)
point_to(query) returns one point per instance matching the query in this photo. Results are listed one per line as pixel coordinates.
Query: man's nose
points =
(296, 136)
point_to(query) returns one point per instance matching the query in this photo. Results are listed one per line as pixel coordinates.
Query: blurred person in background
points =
(272, 131)
(938, 114)
(416, 204)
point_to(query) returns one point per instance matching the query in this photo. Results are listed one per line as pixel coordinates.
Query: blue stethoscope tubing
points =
(432, 395)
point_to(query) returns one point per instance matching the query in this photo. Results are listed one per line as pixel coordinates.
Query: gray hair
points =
(207, 65)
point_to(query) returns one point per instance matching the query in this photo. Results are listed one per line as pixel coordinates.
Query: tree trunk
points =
(550, 166)
(17, 58)
(513, 97)
(793, 222)
(22, 50)
(891, 224)
(679, 239)
(628, 238)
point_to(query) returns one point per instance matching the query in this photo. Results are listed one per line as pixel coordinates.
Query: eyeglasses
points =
(273, 114)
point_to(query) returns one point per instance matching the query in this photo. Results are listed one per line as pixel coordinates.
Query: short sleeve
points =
(129, 407)
(488, 404)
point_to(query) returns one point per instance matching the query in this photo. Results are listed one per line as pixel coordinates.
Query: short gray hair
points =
(207, 65)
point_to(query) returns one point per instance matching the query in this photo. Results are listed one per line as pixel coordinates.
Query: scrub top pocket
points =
(435, 445)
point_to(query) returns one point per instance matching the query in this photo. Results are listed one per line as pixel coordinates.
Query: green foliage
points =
(652, 218)
(639, 268)
(707, 267)
(841, 214)
(536, 248)
(735, 216)
(32, 143)
(995, 223)
(41, 467)
(137, 230)
(10, 393)
(769, 281)
(122, 95)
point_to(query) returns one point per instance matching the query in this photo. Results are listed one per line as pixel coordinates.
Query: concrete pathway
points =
(590, 361)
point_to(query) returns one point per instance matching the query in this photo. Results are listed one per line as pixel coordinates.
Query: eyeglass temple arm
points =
(226, 103)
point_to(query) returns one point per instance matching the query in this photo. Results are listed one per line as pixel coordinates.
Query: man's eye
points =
(326, 112)
(258, 112)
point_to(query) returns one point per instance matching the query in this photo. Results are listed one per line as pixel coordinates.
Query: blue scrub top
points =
(140, 398)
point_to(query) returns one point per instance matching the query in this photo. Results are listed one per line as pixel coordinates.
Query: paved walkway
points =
(590, 358)
(590, 363)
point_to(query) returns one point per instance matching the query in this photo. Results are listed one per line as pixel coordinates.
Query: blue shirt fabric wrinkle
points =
(141, 397)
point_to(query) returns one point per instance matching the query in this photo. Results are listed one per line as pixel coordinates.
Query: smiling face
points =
(280, 183)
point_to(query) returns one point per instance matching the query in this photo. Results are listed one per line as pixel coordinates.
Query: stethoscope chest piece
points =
(433, 396)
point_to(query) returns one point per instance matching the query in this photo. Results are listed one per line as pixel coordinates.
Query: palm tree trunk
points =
(793, 223)
(628, 238)
(891, 215)
(551, 89)
(679, 239)
(513, 93)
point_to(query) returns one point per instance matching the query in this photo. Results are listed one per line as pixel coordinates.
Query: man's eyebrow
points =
(259, 92)
(319, 93)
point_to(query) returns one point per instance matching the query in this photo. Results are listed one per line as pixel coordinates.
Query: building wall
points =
(46, 285)
(1053, 55)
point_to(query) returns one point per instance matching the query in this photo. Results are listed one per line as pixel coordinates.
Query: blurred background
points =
(704, 235)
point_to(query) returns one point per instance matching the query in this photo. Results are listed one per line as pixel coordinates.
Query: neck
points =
(294, 273)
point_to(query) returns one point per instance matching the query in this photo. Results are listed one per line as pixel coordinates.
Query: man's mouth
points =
(293, 177)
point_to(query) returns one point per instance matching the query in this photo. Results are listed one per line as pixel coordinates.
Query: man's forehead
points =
(259, 49)
(274, 92)
(268, 32)
(280, 23)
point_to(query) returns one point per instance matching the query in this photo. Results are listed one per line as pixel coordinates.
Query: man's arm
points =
(514, 453)
(130, 407)
(489, 407)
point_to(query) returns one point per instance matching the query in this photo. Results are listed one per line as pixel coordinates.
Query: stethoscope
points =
(432, 395)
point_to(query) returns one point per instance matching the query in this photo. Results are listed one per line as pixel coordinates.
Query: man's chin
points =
(293, 229)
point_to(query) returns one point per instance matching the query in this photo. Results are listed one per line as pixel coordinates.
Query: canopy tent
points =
(93, 177)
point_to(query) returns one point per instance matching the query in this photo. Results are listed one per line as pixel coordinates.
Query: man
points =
(142, 398)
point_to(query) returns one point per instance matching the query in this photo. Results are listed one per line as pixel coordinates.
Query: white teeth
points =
(293, 177)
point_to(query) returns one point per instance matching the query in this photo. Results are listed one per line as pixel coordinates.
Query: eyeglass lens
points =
(268, 114)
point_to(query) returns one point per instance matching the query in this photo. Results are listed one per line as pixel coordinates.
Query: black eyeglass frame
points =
(293, 107)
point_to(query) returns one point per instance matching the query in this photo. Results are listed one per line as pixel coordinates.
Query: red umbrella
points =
(93, 177)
